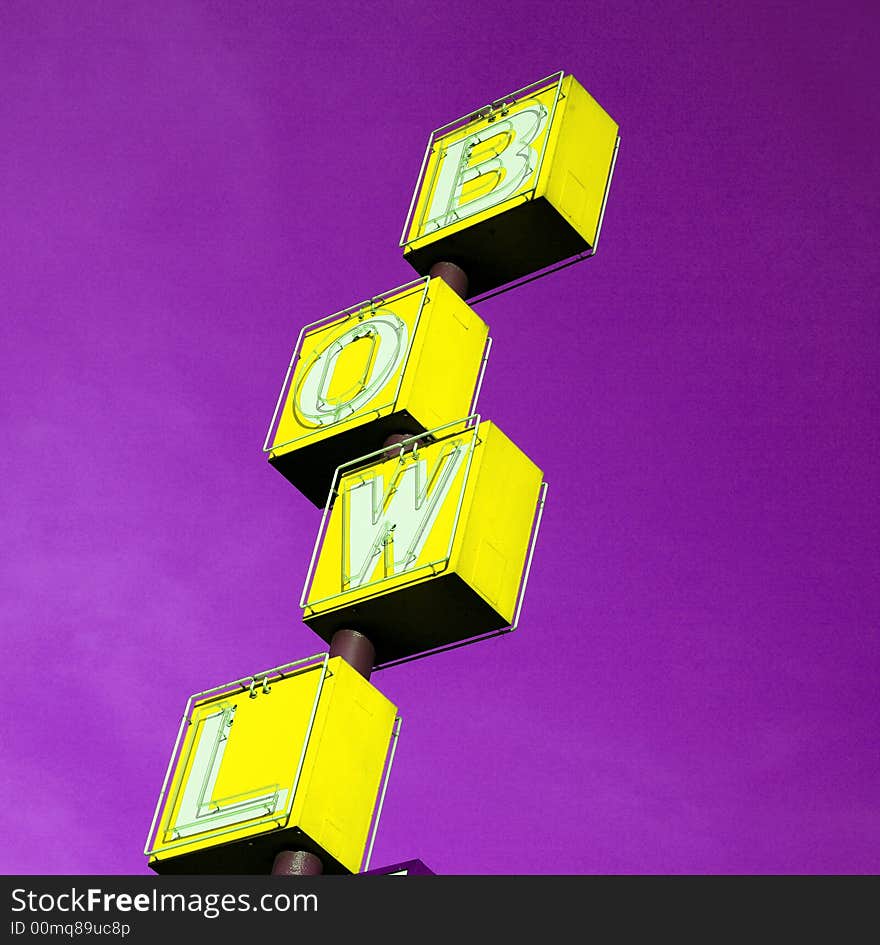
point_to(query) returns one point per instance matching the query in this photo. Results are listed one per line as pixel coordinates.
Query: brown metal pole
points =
(454, 276)
(355, 649)
(297, 863)
(393, 439)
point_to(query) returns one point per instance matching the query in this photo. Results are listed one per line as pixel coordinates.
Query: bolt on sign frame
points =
(403, 362)
(428, 544)
(306, 763)
(515, 189)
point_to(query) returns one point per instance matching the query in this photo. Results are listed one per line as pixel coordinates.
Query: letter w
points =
(394, 523)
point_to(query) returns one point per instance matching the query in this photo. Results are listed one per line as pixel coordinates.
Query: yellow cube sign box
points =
(515, 188)
(426, 547)
(401, 363)
(292, 758)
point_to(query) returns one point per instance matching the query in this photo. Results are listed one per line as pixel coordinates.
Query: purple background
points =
(693, 687)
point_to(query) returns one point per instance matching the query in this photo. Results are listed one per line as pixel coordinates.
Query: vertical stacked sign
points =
(430, 513)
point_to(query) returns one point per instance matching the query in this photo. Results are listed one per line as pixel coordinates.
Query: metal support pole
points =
(297, 863)
(355, 649)
(454, 276)
(393, 439)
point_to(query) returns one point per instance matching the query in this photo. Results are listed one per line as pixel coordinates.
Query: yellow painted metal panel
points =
(344, 765)
(500, 509)
(438, 387)
(577, 168)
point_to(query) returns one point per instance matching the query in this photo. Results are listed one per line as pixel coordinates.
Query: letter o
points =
(310, 401)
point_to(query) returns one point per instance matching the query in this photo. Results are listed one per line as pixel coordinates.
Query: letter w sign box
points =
(428, 547)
